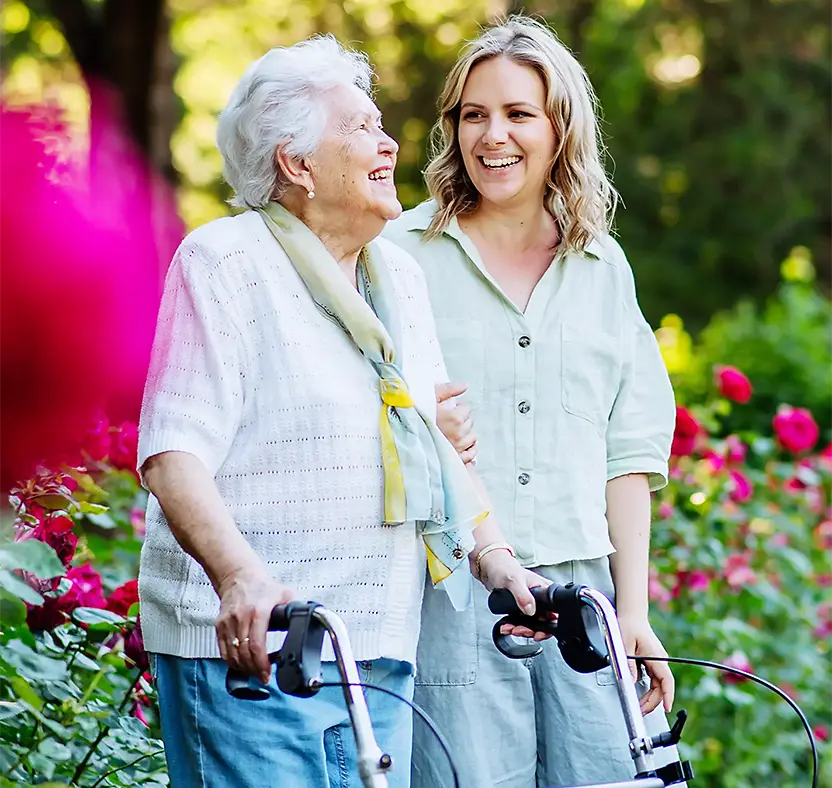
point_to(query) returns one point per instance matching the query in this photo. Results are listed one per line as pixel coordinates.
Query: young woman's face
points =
(506, 138)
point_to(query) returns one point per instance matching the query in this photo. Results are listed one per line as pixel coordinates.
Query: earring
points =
(310, 194)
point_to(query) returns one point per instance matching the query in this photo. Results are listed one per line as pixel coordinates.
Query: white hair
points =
(277, 102)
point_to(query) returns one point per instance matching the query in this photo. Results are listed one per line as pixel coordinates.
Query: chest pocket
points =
(590, 374)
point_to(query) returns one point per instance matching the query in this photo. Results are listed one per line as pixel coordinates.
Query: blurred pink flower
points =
(795, 428)
(737, 570)
(739, 661)
(96, 443)
(657, 591)
(733, 384)
(821, 732)
(124, 442)
(695, 580)
(714, 462)
(666, 510)
(735, 449)
(82, 263)
(824, 627)
(87, 581)
(685, 433)
(741, 489)
(823, 534)
(779, 540)
(137, 520)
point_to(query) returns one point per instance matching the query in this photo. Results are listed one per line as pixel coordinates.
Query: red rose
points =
(732, 384)
(97, 440)
(56, 531)
(684, 436)
(134, 647)
(124, 597)
(124, 443)
(795, 428)
(741, 489)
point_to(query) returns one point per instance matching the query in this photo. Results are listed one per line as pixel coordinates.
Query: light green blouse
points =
(565, 396)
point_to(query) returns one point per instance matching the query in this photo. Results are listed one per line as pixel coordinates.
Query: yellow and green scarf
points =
(424, 479)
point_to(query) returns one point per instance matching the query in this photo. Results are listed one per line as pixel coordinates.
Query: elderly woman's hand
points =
(499, 569)
(454, 419)
(246, 601)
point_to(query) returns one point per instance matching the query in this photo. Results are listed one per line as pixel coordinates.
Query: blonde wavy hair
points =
(579, 195)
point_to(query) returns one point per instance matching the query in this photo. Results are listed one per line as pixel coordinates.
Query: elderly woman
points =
(537, 315)
(288, 439)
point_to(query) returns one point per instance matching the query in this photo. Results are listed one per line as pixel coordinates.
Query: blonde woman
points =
(537, 317)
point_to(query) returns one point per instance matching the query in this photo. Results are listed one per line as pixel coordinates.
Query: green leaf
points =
(83, 661)
(33, 556)
(103, 521)
(99, 620)
(24, 691)
(12, 610)
(32, 665)
(19, 588)
(55, 750)
(10, 709)
(93, 508)
(43, 766)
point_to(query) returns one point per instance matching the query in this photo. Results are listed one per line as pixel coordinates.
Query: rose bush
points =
(740, 575)
(76, 699)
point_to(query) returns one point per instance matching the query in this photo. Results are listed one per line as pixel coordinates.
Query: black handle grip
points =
(280, 617)
(502, 603)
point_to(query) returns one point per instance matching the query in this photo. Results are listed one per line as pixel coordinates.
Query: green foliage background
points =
(716, 113)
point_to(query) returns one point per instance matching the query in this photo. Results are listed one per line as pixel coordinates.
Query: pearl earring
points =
(310, 194)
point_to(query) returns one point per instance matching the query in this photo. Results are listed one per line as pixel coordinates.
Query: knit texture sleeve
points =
(194, 394)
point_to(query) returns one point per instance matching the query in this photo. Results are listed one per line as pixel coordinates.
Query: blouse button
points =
(524, 407)
(524, 341)
(524, 478)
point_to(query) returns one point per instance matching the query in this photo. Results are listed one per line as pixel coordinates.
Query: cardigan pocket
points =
(590, 374)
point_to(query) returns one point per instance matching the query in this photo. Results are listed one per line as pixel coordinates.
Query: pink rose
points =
(685, 434)
(732, 384)
(739, 661)
(666, 510)
(738, 572)
(87, 582)
(795, 428)
(741, 489)
(714, 462)
(735, 449)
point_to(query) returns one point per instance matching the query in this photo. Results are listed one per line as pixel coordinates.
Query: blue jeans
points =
(213, 740)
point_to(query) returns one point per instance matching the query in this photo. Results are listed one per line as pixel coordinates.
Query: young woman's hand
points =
(499, 569)
(454, 420)
(640, 640)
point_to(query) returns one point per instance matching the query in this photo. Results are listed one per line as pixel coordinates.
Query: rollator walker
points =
(587, 634)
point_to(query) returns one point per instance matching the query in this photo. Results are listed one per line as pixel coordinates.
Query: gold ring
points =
(236, 642)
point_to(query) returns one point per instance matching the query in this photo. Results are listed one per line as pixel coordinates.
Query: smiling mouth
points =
(502, 163)
(382, 176)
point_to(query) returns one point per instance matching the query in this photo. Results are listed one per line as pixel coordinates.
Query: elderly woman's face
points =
(354, 164)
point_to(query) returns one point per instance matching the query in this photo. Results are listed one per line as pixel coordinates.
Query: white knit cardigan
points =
(253, 379)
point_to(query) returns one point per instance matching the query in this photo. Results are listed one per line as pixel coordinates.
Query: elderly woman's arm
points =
(204, 528)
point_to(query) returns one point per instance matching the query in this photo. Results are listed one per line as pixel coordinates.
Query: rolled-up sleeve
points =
(642, 420)
(194, 395)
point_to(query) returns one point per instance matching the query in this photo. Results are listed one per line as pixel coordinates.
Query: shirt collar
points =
(419, 218)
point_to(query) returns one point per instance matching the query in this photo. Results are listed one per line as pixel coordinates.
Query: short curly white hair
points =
(277, 102)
